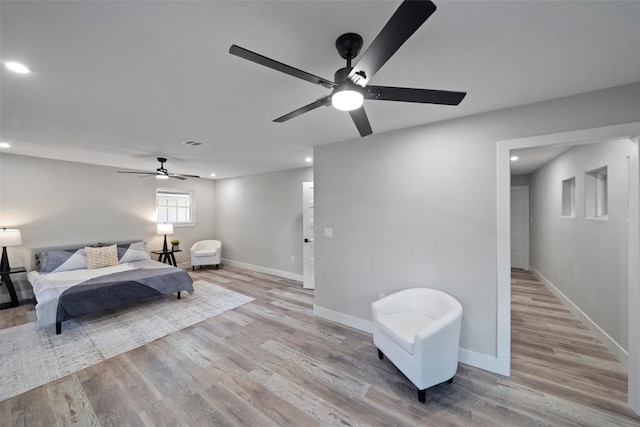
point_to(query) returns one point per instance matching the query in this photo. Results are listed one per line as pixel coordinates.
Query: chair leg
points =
(450, 380)
(422, 395)
(380, 354)
(193, 268)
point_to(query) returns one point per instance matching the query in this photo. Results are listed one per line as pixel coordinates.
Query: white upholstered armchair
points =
(206, 252)
(419, 331)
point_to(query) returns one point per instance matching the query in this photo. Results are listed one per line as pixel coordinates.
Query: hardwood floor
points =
(271, 363)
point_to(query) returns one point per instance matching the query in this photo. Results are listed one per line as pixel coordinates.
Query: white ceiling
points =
(530, 159)
(120, 83)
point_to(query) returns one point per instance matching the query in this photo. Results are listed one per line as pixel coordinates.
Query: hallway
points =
(553, 352)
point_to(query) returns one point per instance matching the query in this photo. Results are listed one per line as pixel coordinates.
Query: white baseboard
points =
(620, 353)
(343, 319)
(482, 361)
(265, 270)
(468, 357)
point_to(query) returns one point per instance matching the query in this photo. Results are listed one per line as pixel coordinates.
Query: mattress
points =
(64, 295)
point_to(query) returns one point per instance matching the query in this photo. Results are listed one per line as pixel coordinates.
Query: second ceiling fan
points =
(350, 86)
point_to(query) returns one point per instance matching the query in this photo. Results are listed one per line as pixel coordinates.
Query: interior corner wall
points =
(585, 259)
(259, 221)
(520, 180)
(57, 203)
(417, 208)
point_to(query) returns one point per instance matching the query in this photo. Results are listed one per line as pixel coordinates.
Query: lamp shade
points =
(10, 237)
(164, 228)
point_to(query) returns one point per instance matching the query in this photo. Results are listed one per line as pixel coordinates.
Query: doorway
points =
(308, 266)
(629, 130)
(520, 227)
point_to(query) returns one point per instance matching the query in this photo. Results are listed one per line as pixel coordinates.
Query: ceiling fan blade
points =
(362, 122)
(138, 172)
(183, 175)
(405, 94)
(325, 100)
(404, 22)
(174, 176)
(279, 66)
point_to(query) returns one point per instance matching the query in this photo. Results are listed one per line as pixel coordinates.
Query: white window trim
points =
(571, 183)
(596, 194)
(192, 198)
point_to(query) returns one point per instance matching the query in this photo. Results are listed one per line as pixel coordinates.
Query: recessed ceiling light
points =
(213, 174)
(514, 158)
(17, 67)
(308, 160)
(4, 145)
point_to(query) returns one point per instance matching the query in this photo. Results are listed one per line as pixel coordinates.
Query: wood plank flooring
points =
(272, 363)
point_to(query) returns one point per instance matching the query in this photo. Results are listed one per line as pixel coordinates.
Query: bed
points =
(73, 282)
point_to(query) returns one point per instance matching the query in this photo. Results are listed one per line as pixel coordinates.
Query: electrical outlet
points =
(293, 259)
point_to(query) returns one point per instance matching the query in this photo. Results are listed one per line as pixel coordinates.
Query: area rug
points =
(31, 356)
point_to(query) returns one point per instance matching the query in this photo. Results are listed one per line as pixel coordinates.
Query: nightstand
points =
(6, 279)
(167, 257)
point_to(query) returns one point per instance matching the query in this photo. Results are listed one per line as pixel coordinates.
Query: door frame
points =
(503, 342)
(308, 235)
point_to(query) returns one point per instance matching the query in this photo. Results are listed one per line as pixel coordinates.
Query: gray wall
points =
(519, 180)
(417, 207)
(259, 220)
(57, 203)
(586, 259)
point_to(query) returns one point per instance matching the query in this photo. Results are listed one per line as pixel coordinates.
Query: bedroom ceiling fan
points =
(350, 88)
(161, 172)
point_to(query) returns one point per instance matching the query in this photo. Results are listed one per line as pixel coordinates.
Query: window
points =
(596, 193)
(569, 197)
(174, 206)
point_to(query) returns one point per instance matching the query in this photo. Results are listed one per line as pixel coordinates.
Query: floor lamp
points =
(164, 228)
(8, 237)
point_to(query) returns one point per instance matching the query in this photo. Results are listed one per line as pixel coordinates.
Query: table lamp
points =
(8, 237)
(164, 228)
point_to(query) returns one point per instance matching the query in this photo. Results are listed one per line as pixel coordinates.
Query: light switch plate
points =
(328, 232)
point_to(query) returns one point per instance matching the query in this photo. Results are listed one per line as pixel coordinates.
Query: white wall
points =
(417, 207)
(259, 221)
(56, 203)
(585, 259)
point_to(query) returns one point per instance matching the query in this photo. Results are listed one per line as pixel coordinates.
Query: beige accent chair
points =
(206, 252)
(419, 331)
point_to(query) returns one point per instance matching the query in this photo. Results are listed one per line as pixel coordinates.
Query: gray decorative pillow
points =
(131, 252)
(63, 260)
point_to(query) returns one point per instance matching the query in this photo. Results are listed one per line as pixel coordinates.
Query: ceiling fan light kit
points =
(345, 98)
(350, 87)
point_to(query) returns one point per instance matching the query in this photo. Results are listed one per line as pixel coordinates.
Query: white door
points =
(308, 279)
(520, 227)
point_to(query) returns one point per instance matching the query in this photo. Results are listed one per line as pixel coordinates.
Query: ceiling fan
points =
(161, 172)
(350, 86)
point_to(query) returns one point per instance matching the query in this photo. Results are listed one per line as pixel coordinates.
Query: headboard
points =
(35, 252)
